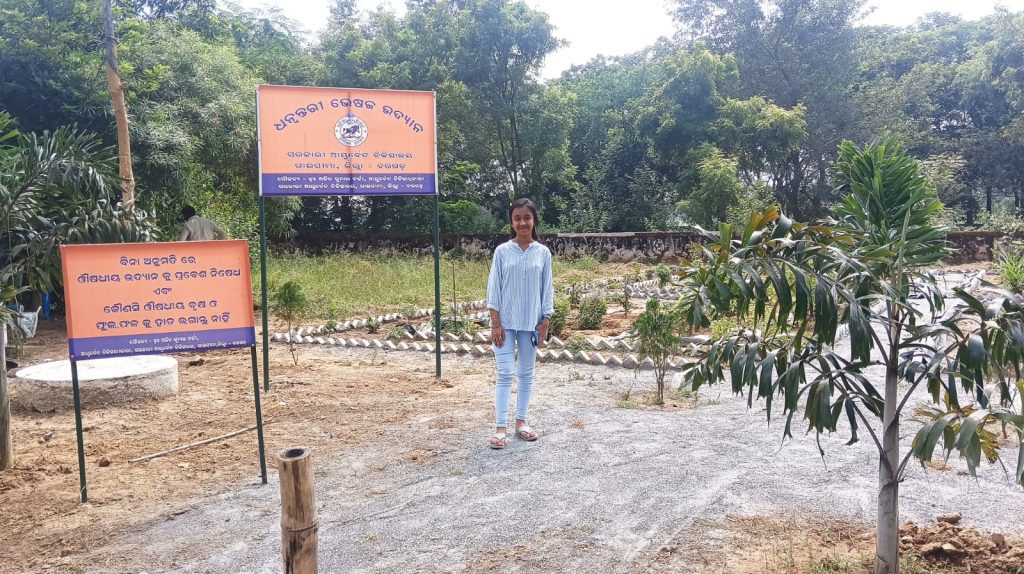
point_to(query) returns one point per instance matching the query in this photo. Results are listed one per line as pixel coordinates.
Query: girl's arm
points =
(547, 298)
(494, 288)
(494, 300)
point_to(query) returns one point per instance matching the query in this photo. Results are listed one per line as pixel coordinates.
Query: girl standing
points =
(520, 299)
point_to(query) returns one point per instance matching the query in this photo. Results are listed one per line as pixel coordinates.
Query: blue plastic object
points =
(44, 307)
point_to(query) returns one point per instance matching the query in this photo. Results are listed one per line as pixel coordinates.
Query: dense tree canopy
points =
(743, 108)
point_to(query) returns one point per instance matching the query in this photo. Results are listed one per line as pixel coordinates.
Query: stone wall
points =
(614, 247)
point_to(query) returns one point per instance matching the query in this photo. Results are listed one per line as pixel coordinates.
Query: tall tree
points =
(863, 274)
(792, 52)
(501, 48)
(116, 89)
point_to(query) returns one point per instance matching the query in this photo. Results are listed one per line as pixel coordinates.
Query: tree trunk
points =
(6, 446)
(116, 89)
(988, 198)
(795, 183)
(887, 548)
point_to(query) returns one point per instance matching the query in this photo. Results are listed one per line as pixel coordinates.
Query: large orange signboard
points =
(146, 298)
(340, 141)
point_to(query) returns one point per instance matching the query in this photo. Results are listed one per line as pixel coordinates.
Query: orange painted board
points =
(344, 141)
(146, 298)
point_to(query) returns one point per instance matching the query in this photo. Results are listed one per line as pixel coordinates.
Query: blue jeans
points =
(505, 356)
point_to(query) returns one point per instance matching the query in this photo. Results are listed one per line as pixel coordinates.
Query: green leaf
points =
(969, 427)
(975, 305)
(851, 417)
(929, 434)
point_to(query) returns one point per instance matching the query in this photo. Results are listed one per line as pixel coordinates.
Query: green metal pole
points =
(265, 306)
(437, 285)
(83, 492)
(259, 414)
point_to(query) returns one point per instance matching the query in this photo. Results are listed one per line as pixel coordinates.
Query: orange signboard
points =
(144, 298)
(340, 141)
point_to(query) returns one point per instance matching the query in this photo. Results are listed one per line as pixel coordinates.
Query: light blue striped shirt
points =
(519, 286)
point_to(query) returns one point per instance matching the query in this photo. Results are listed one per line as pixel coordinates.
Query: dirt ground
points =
(42, 522)
(330, 402)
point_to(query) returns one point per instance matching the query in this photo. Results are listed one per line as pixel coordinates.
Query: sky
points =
(617, 27)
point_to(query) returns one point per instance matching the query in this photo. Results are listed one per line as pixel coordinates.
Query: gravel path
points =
(602, 490)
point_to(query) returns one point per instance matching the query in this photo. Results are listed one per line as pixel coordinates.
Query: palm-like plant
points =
(807, 284)
(55, 188)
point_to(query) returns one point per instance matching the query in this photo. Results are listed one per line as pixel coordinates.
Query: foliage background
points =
(733, 114)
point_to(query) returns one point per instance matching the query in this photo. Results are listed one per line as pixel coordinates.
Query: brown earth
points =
(326, 403)
(799, 545)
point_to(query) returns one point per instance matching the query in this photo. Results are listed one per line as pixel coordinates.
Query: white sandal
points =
(526, 429)
(503, 437)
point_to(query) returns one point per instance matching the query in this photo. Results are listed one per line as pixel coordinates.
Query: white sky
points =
(616, 27)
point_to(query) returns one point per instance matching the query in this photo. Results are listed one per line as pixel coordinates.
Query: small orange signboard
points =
(340, 141)
(146, 298)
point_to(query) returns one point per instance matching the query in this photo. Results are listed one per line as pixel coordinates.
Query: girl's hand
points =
(543, 330)
(498, 336)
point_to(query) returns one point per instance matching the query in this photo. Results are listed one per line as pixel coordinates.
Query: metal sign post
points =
(83, 492)
(259, 415)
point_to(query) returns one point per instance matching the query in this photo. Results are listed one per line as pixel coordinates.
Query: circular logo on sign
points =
(350, 130)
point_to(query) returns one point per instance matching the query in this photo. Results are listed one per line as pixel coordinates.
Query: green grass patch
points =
(347, 285)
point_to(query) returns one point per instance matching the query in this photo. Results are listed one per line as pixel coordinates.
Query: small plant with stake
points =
(624, 299)
(290, 304)
(656, 336)
(372, 325)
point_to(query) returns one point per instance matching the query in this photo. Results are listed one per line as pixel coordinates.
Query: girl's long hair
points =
(524, 202)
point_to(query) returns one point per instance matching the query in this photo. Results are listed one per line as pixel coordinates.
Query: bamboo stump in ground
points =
(299, 524)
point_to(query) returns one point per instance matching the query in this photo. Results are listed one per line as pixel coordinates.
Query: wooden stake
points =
(6, 447)
(192, 445)
(299, 521)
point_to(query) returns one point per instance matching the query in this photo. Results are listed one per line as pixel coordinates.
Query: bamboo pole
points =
(116, 89)
(299, 521)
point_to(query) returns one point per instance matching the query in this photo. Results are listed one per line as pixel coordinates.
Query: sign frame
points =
(142, 270)
(260, 135)
(389, 133)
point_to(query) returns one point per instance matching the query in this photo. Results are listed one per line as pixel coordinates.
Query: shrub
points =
(1001, 220)
(592, 311)
(576, 343)
(456, 326)
(1011, 268)
(664, 274)
(372, 325)
(655, 334)
(722, 328)
(397, 334)
(559, 318)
